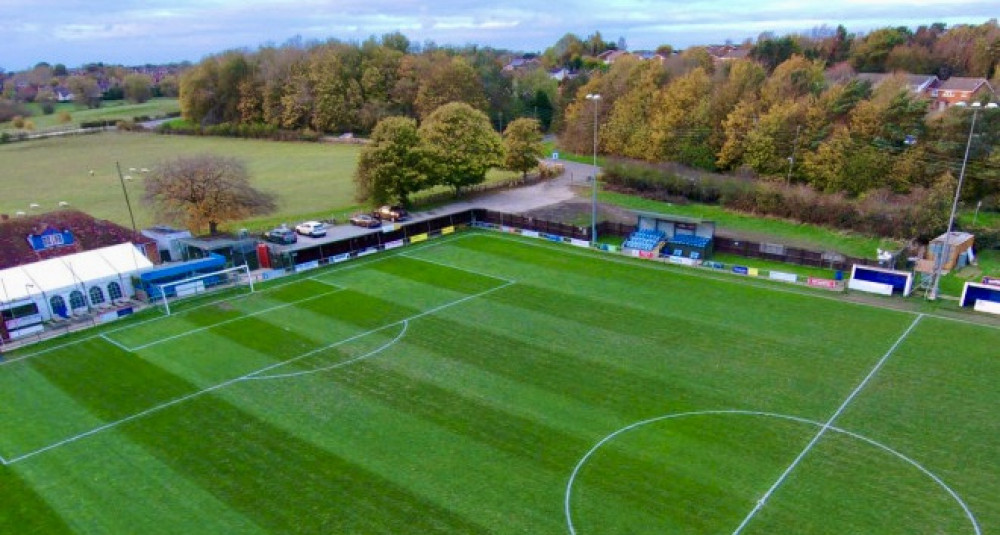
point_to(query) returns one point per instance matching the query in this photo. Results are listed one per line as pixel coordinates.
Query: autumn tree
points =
(205, 190)
(522, 141)
(138, 88)
(392, 165)
(627, 130)
(679, 123)
(461, 144)
(450, 81)
(85, 91)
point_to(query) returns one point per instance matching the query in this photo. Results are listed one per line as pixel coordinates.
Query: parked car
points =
(311, 228)
(391, 213)
(281, 235)
(365, 220)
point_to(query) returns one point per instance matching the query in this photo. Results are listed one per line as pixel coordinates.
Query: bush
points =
(915, 215)
(64, 117)
(48, 108)
(17, 122)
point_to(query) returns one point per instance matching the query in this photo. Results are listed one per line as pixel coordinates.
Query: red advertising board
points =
(822, 283)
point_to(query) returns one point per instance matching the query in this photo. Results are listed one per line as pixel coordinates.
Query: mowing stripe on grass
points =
(763, 500)
(383, 347)
(224, 322)
(583, 460)
(732, 279)
(467, 270)
(193, 395)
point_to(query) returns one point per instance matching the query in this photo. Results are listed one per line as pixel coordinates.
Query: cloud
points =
(142, 31)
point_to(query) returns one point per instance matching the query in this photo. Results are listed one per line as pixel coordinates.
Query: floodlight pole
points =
(946, 246)
(128, 204)
(596, 98)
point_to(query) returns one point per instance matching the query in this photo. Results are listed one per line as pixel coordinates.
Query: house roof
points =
(916, 82)
(88, 233)
(959, 83)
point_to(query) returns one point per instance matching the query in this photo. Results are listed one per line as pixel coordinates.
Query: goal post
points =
(234, 277)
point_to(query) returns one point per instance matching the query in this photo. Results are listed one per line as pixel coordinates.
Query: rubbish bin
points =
(838, 275)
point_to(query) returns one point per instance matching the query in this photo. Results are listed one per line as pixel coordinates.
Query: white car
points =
(311, 228)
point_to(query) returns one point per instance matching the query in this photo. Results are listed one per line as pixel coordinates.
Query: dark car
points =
(391, 213)
(283, 236)
(365, 220)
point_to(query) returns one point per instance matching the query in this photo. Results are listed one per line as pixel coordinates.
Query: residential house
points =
(63, 94)
(959, 90)
(917, 83)
(522, 64)
(610, 56)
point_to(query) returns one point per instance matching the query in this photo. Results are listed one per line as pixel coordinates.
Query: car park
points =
(314, 229)
(281, 235)
(365, 220)
(391, 213)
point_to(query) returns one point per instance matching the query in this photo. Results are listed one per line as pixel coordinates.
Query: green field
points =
(113, 110)
(312, 180)
(482, 383)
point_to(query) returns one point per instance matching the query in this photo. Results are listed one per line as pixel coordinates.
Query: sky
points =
(137, 32)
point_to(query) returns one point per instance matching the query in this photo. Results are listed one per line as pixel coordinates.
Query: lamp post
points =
(946, 246)
(596, 98)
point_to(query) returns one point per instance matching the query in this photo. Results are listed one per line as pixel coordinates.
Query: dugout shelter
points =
(981, 296)
(878, 280)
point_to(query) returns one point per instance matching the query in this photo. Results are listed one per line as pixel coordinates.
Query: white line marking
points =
(915, 464)
(3, 461)
(443, 240)
(449, 266)
(247, 376)
(402, 332)
(763, 500)
(231, 320)
(110, 340)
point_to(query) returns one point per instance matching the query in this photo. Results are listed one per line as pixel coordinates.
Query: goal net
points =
(231, 281)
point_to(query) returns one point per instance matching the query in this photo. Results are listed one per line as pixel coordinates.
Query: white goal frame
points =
(195, 285)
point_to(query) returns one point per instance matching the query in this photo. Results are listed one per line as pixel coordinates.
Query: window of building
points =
(96, 295)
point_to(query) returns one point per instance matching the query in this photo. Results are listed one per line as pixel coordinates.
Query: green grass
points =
(312, 180)
(110, 110)
(456, 387)
(792, 234)
(309, 178)
(984, 218)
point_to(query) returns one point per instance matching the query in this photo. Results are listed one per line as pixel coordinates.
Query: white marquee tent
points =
(73, 284)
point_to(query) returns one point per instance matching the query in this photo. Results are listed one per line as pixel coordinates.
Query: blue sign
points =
(741, 270)
(50, 239)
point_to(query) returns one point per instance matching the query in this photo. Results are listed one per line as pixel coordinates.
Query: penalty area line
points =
(826, 426)
(245, 377)
(231, 320)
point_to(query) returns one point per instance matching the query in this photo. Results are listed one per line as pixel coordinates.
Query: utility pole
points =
(791, 159)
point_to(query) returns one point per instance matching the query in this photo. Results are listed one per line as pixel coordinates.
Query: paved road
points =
(512, 201)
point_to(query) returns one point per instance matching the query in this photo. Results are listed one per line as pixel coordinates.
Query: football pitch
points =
(485, 383)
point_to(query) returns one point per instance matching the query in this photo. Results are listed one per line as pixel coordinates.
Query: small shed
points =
(953, 249)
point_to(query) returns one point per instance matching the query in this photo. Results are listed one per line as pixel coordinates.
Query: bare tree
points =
(205, 190)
